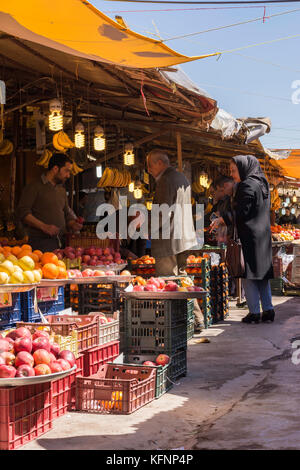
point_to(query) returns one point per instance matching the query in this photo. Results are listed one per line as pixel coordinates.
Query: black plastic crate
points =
(156, 340)
(167, 313)
(178, 366)
(190, 330)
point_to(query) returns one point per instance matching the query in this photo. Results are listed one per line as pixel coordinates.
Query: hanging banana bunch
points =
(44, 160)
(275, 200)
(62, 142)
(112, 177)
(76, 169)
(6, 147)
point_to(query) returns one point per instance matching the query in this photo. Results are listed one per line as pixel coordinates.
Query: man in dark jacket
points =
(288, 218)
(169, 249)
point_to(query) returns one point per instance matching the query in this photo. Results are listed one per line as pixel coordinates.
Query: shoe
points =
(269, 315)
(251, 317)
(198, 327)
(242, 304)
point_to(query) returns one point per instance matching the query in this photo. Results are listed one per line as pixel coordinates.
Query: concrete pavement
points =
(241, 392)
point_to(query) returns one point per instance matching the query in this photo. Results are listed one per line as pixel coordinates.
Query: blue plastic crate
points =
(53, 307)
(10, 315)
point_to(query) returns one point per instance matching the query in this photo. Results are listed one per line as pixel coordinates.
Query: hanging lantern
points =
(99, 139)
(283, 211)
(131, 187)
(293, 210)
(149, 205)
(138, 193)
(56, 120)
(129, 159)
(203, 179)
(79, 136)
(294, 197)
(287, 199)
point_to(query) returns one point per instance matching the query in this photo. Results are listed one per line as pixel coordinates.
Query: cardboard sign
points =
(46, 294)
(5, 300)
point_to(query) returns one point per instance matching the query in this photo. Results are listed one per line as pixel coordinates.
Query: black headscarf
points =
(249, 168)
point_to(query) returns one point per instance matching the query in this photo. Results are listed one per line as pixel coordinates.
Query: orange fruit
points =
(26, 248)
(7, 249)
(34, 257)
(23, 253)
(16, 250)
(49, 258)
(62, 273)
(50, 271)
(38, 253)
(61, 264)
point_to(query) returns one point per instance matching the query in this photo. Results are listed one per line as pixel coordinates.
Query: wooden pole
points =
(13, 166)
(179, 151)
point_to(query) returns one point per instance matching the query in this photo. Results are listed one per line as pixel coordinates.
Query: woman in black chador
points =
(251, 206)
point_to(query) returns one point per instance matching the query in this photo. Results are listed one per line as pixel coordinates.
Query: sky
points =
(255, 81)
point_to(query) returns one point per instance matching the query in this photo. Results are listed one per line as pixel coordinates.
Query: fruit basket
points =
(116, 389)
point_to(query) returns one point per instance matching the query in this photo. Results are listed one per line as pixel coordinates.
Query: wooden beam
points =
(138, 143)
(179, 150)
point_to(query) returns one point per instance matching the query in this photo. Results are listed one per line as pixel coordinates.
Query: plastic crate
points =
(96, 357)
(190, 308)
(9, 316)
(53, 307)
(109, 332)
(178, 366)
(25, 414)
(29, 313)
(64, 391)
(277, 286)
(190, 328)
(162, 383)
(154, 340)
(157, 313)
(116, 389)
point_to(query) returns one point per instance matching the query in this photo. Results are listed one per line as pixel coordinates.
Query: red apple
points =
(41, 343)
(110, 319)
(4, 346)
(117, 255)
(138, 288)
(40, 334)
(68, 356)
(42, 369)
(99, 273)
(9, 358)
(55, 367)
(7, 372)
(55, 349)
(98, 252)
(110, 273)
(25, 371)
(106, 251)
(162, 360)
(71, 274)
(19, 333)
(86, 259)
(149, 363)
(41, 356)
(53, 357)
(2, 360)
(64, 364)
(151, 288)
(23, 344)
(11, 343)
(87, 273)
(24, 358)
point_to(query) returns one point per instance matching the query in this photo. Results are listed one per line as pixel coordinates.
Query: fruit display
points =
(143, 266)
(287, 233)
(23, 354)
(156, 284)
(77, 274)
(21, 265)
(91, 256)
(112, 177)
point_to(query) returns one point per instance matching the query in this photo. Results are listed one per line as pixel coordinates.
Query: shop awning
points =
(78, 28)
(291, 165)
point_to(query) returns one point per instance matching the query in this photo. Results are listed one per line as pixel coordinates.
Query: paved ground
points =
(241, 392)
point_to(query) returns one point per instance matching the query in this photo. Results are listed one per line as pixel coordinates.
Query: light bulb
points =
(203, 179)
(294, 197)
(138, 193)
(129, 159)
(131, 187)
(79, 136)
(99, 140)
(149, 205)
(56, 120)
(287, 200)
(99, 171)
(293, 210)
(283, 211)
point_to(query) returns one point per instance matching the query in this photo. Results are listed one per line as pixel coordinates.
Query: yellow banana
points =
(76, 169)
(64, 140)
(56, 145)
(6, 147)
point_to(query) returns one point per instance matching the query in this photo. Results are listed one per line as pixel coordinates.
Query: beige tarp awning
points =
(76, 27)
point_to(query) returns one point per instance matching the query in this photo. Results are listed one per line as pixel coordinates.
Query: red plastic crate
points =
(96, 357)
(25, 414)
(120, 389)
(64, 390)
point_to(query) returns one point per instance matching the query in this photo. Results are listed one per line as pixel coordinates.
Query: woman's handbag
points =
(234, 256)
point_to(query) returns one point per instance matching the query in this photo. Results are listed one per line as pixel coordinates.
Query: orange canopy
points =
(78, 28)
(291, 165)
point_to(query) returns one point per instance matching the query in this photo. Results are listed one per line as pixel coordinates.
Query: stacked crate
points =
(156, 327)
(201, 274)
(296, 265)
(219, 284)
